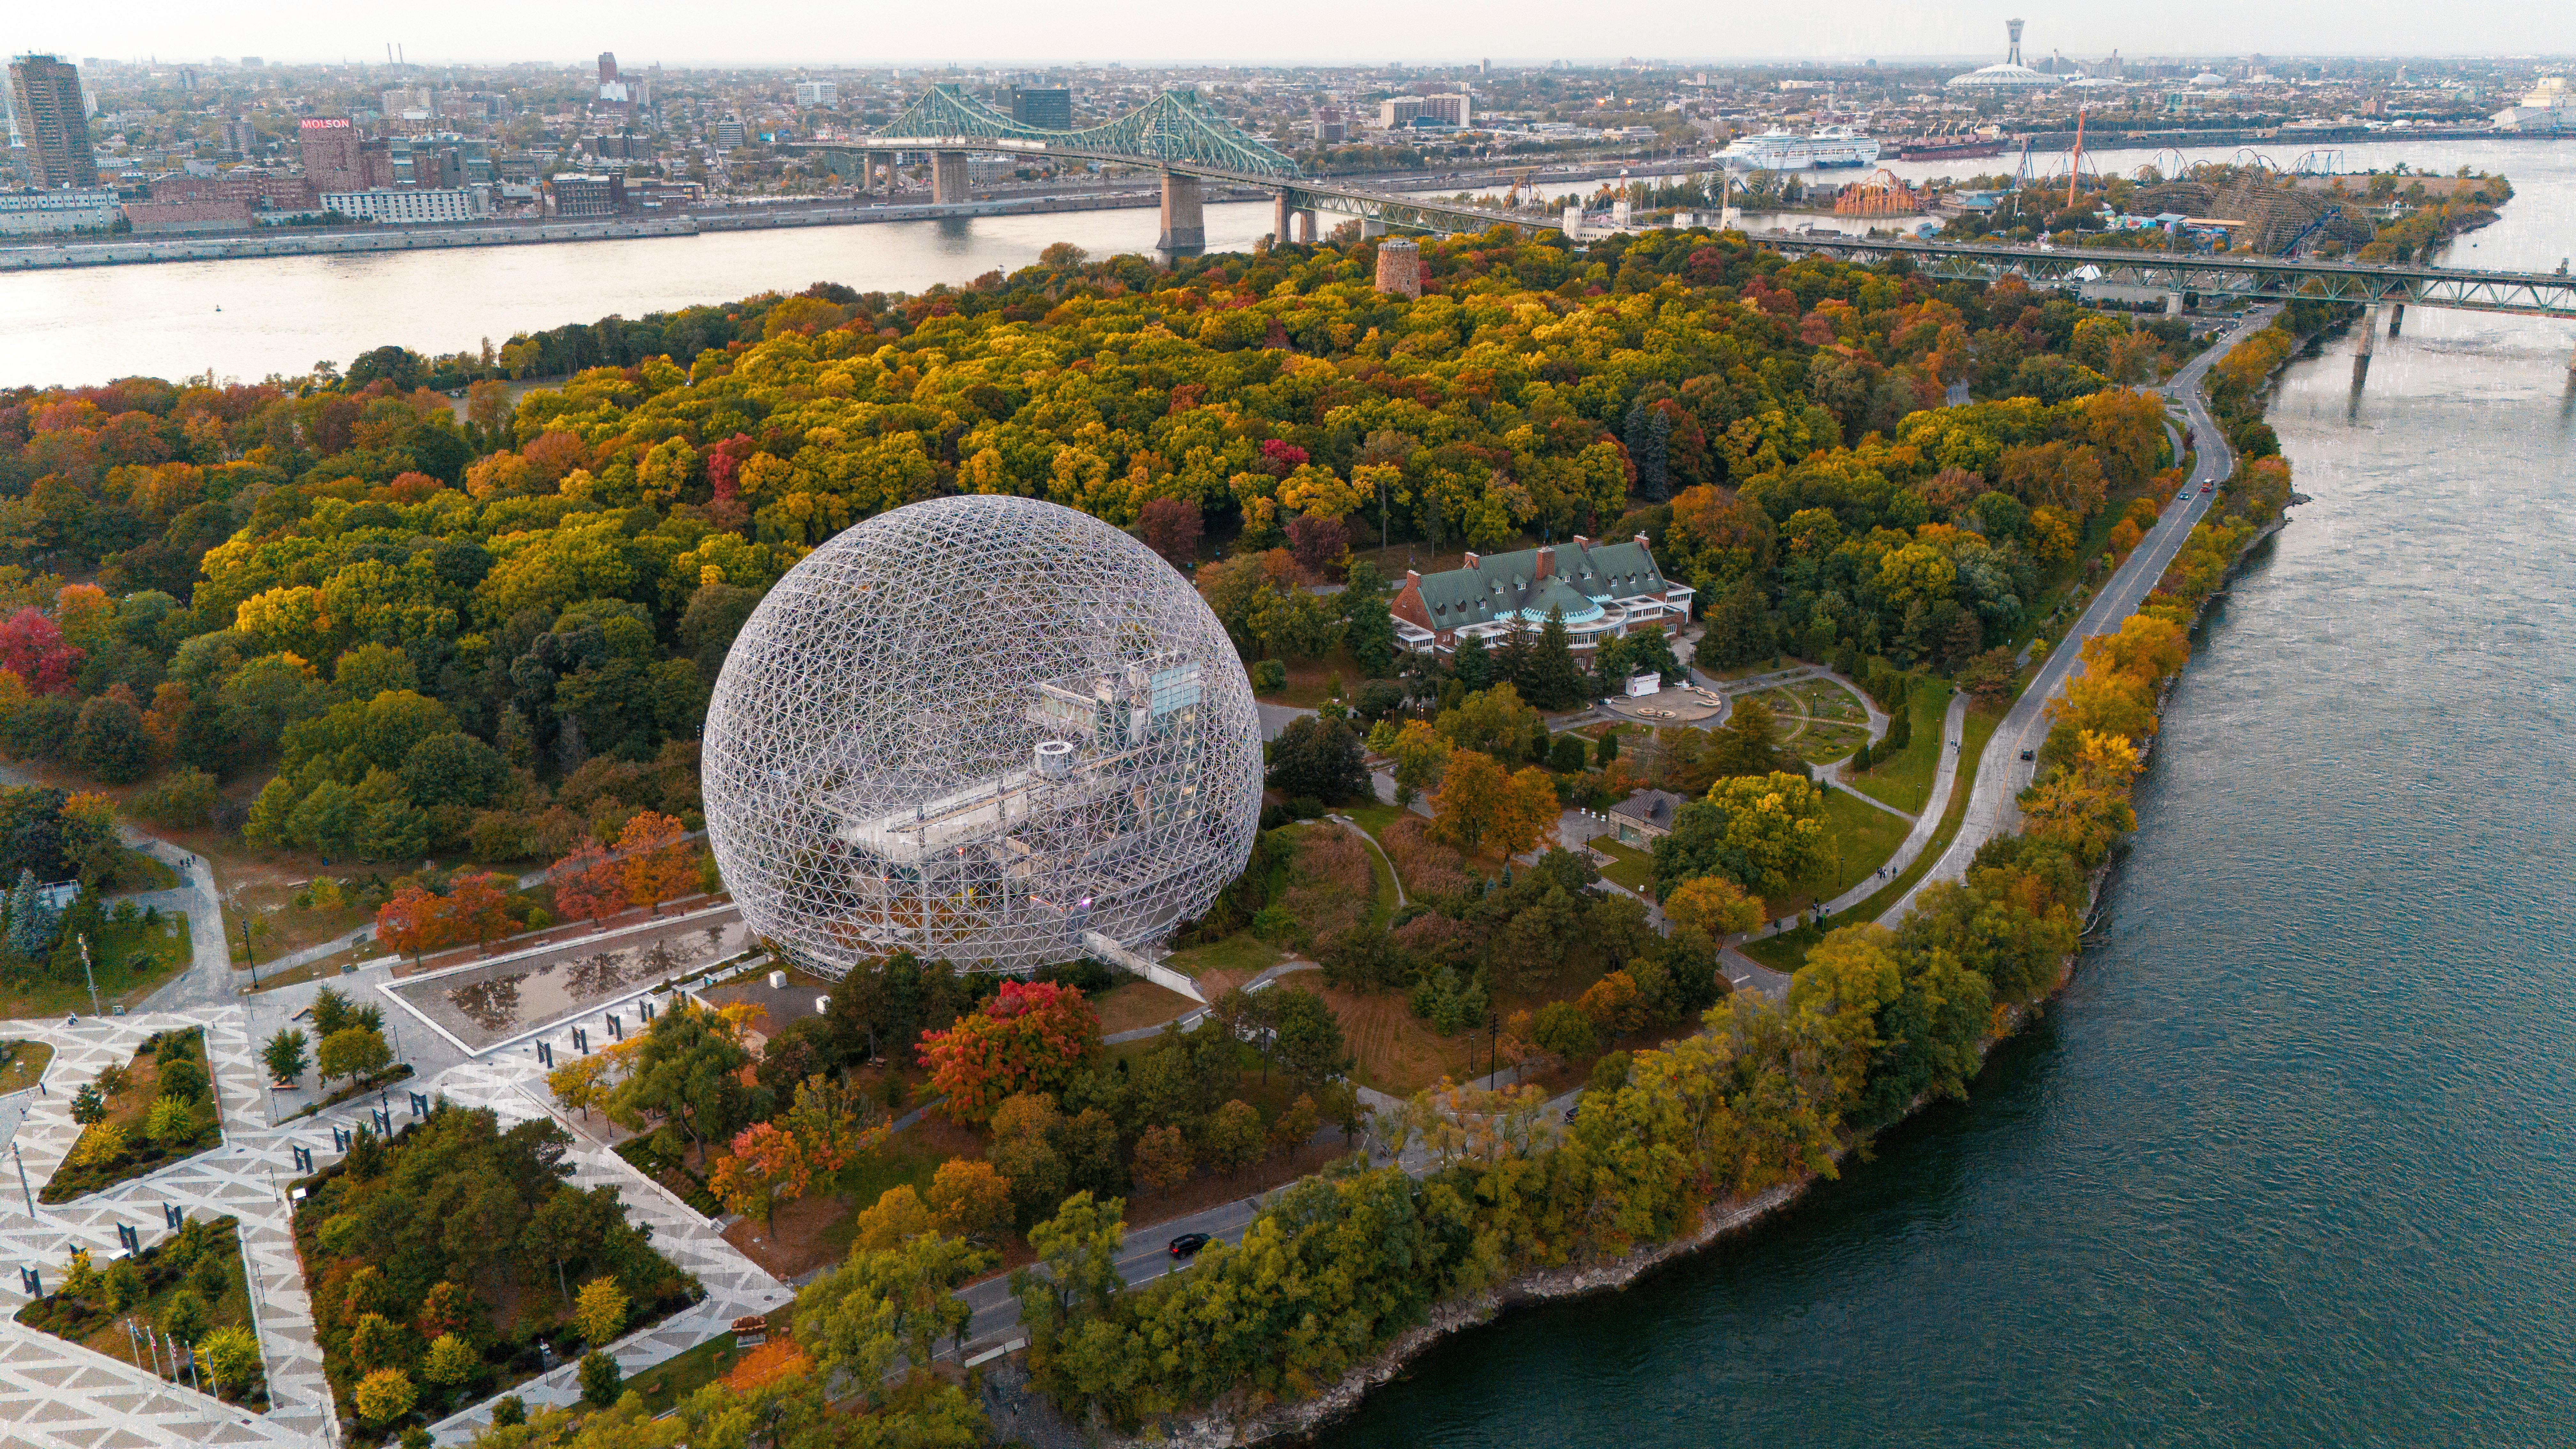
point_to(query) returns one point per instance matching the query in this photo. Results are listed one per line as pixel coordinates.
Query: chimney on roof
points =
(1471, 560)
(1641, 541)
(1581, 542)
(1412, 578)
(1546, 564)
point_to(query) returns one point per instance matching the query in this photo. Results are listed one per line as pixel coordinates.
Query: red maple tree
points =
(1030, 1038)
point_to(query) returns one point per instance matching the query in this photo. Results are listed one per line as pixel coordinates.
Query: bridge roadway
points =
(2530, 294)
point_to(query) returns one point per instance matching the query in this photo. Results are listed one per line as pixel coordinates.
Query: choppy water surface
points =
(2291, 1164)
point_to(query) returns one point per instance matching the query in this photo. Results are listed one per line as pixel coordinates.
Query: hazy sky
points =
(780, 31)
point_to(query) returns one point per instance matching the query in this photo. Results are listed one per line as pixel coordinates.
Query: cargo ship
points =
(1778, 150)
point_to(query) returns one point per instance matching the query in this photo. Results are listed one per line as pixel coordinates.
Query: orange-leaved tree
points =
(478, 905)
(588, 884)
(1030, 1038)
(766, 1167)
(653, 851)
(413, 921)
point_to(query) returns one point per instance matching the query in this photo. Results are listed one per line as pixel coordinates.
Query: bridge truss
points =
(1175, 134)
(2529, 294)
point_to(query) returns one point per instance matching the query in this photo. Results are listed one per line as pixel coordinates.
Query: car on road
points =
(2030, 754)
(1187, 1245)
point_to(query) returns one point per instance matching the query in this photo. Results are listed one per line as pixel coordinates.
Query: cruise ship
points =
(1777, 150)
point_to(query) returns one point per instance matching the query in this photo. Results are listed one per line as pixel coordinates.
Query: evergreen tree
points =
(1369, 630)
(32, 923)
(1516, 662)
(1556, 681)
(1473, 665)
(1739, 628)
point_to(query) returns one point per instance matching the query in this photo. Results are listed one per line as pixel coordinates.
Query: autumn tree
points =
(588, 884)
(413, 921)
(653, 853)
(766, 1167)
(478, 906)
(969, 1199)
(1714, 906)
(1030, 1037)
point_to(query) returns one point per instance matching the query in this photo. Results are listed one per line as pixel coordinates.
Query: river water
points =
(2290, 1163)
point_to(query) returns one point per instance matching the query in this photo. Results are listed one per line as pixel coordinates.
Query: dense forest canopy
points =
(492, 627)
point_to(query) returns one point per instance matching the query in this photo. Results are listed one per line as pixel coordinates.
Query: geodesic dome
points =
(978, 728)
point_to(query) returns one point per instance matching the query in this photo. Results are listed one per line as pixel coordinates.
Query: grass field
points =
(1628, 865)
(1241, 954)
(130, 962)
(1906, 781)
(1863, 837)
(25, 1062)
(665, 1384)
(1397, 1052)
(1788, 950)
(1133, 1004)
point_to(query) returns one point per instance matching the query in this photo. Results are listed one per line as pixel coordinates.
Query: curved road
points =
(2001, 772)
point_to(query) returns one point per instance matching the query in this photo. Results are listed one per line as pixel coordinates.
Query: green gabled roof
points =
(1500, 585)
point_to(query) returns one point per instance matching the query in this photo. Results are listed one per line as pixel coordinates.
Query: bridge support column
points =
(1371, 226)
(2365, 337)
(1282, 214)
(1313, 229)
(2173, 304)
(948, 177)
(1184, 215)
(2396, 315)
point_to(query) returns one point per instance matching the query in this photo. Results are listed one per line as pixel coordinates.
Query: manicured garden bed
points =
(121, 1141)
(189, 1285)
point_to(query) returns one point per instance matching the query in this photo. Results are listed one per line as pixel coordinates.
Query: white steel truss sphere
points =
(976, 728)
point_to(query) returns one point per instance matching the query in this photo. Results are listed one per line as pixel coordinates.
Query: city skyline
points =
(1342, 32)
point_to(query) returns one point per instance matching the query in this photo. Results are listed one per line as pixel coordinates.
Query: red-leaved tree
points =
(1030, 1038)
(413, 921)
(588, 884)
(32, 647)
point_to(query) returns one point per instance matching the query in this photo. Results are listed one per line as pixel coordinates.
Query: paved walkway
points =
(53, 1393)
(2001, 772)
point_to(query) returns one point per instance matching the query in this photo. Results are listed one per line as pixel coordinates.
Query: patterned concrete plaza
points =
(57, 1395)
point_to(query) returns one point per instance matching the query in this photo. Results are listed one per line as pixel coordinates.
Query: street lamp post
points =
(1493, 1050)
(91, 977)
(28, 1192)
(249, 955)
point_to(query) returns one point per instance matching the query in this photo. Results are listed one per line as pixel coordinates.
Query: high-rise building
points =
(818, 93)
(1050, 108)
(729, 133)
(607, 66)
(45, 94)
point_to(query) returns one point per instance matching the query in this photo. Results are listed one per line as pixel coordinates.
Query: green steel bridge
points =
(1175, 134)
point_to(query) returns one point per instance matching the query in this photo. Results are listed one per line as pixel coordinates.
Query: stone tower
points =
(1399, 267)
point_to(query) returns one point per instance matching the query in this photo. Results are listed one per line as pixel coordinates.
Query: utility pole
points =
(22, 1179)
(92, 978)
(247, 954)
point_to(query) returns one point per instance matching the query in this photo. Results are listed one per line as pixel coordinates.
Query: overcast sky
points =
(780, 31)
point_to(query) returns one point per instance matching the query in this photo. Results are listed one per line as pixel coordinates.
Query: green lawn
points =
(665, 1384)
(1906, 781)
(1241, 952)
(1788, 950)
(1374, 818)
(24, 1063)
(1866, 835)
(130, 962)
(1629, 866)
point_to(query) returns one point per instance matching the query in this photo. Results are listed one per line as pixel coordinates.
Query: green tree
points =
(687, 1070)
(108, 740)
(284, 1055)
(601, 1380)
(1319, 758)
(899, 1301)
(354, 1051)
(1556, 681)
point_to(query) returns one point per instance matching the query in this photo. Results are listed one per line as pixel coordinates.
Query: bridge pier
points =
(1184, 216)
(1282, 213)
(2396, 314)
(948, 177)
(2364, 337)
(1313, 229)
